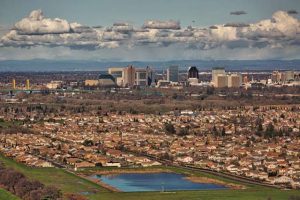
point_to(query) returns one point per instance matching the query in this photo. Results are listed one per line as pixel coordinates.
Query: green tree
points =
(270, 131)
(259, 127)
(88, 143)
(223, 133)
(169, 128)
(215, 131)
(183, 131)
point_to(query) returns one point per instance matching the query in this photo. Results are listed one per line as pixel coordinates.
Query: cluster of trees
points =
(217, 132)
(18, 184)
(170, 129)
(88, 143)
(270, 131)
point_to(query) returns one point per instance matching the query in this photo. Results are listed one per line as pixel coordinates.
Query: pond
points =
(137, 182)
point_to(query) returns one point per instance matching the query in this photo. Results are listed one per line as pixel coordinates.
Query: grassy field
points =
(70, 183)
(6, 195)
(67, 182)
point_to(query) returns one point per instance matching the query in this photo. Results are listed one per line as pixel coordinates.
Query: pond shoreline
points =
(188, 177)
(102, 184)
(199, 179)
(89, 176)
(131, 171)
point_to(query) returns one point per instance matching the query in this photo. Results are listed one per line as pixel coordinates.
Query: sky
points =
(153, 30)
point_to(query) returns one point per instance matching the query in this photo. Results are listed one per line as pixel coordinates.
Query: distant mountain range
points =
(39, 65)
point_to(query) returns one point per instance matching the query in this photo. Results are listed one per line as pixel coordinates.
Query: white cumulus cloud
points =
(35, 23)
(157, 24)
(280, 31)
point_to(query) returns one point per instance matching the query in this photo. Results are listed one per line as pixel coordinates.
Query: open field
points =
(255, 194)
(67, 182)
(70, 183)
(6, 195)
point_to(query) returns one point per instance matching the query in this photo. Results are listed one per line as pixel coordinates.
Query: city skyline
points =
(193, 30)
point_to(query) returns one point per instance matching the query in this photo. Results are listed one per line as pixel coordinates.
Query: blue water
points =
(154, 182)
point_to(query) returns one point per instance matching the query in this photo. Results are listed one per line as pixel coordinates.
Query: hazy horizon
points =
(41, 65)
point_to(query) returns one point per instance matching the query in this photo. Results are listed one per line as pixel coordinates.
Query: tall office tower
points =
(129, 76)
(276, 76)
(27, 84)
(215, 72)
(118, 74)
(289, 75)
(14, 84)
(193, 72)
(221, 81)
(234, 80)
(144, 77)
(172, 73)
(141, 77)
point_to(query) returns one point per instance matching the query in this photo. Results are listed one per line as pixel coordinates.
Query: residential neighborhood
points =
(261, 143)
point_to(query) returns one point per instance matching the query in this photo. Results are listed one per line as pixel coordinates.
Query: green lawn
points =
(201, 195)
(6, 195)
(70, 183)
(67, 182)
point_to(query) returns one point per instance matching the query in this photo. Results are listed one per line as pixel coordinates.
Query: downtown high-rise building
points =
(281, 77)
(172, 73)
(129, 76)
(234, 80)
(220, 79)
(217, 71)
(144, 77)
(193, 72)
